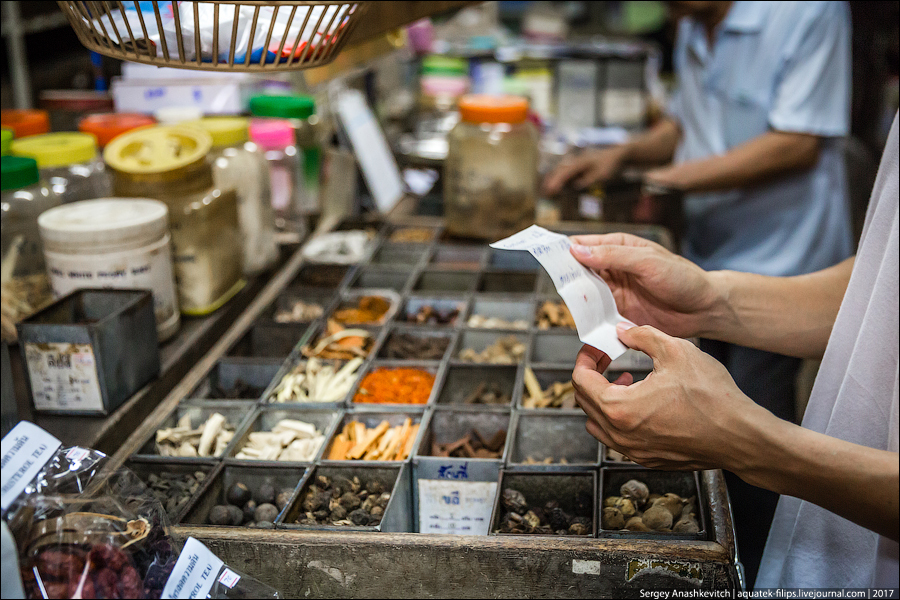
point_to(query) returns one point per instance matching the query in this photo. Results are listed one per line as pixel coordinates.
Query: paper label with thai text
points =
(587, 296)
(194, 573)
(457, 507)
(229, 578)
(63, 377)
(25, 450)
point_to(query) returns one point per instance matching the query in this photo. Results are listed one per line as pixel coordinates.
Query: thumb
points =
(649, 340)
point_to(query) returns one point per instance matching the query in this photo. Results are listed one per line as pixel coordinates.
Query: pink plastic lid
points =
(272, 133)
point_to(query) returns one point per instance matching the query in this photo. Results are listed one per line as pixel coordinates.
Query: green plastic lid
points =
(7, 140)
(17, 172)
(436, 64)
(283, 107)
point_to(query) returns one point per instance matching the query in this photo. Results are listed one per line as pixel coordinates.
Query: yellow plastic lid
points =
(57, 149)
(157, 149)
(225, 131)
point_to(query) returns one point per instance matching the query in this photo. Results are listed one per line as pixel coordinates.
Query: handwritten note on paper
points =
(462, 508)
(587, 296)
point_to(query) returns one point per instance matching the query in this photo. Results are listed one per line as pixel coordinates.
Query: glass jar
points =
(275, 138)
(491, 173)
(107, 126)
(300, 112)
(239, 164)
(69, 163)
(171, 164)
(24, 281)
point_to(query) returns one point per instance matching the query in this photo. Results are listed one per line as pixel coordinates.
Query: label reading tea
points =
(25, 450)
(63, 377)
(457, 507)
(194, 573)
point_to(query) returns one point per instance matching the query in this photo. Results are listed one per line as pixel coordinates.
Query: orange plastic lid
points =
(477, 108)
(26, 122)
(106, 126)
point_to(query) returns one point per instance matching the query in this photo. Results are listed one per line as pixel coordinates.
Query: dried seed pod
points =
(238, 494)
(627, 507)
(635, 490)
(265, 494)
(514, 501)
(687, 524)
(359, 517)
(657, 517)
(266, 512)
(672, 502)
(220, 515)
(532, 519)
(636, 524)
(612, 518)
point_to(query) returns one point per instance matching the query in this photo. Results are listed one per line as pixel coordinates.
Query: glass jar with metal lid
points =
(239, 164)
(171, 164)
(491, 173)
(300, 111)
(24, 282)
(69, 163)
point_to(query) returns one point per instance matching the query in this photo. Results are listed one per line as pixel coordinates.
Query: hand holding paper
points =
(587, 296)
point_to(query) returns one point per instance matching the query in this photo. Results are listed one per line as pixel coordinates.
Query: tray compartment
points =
(433, 367)
(513, 260)
(397, 514)
(433, 280)
(268, 417)
(175, 511)
(392, 253)
(507, 282)
(685, 484)
(540, 488)
(228, 372)
(479, 339)
(371, 418)
(549, 434)
(267, 339)
(236, 412)
(442, 305)
(320, 276)
(458, 257)
(437, 337)
(381, 278)
(463, 379)
(502, 308)
(555, 348)
(546, 378)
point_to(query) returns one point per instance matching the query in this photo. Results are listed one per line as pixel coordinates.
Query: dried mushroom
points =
(639, 510)
(520, 517)
(343, 502)
(210, 439)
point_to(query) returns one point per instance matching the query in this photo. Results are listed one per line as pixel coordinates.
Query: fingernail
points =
(624, 326)
(581, 250)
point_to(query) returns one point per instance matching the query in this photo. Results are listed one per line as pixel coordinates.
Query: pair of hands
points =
(601, 165)
(688, 413)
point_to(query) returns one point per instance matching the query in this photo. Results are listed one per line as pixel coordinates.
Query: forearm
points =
(758, 161)
(656, 146)
(788, 315)
(856, 482)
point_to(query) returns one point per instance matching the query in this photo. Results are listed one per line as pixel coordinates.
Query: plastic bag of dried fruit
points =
(102, 534)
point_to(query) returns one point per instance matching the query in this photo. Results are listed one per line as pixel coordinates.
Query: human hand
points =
(671, 177)
(688, 414)
(587, 168)
(651, 285)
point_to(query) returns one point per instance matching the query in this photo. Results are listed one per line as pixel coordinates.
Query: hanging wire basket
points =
(216, 35)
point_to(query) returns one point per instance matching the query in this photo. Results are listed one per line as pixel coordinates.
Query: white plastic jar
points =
(113, 243)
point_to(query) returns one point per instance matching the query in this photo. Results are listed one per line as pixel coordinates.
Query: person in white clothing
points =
(837, 521)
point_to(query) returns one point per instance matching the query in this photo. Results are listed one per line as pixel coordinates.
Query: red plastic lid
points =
(478, 108)
(26, 122)
(106, 126)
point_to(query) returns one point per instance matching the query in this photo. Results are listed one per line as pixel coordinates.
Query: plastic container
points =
(491, 182)
(171, 164)
(107, 126)
(121, 243)
(275, 138)
(67, 107)
(300, 111)
(240, 165)
(25, 122)
(69, 163)
(173, 115)
(25, 197)
(6, 135)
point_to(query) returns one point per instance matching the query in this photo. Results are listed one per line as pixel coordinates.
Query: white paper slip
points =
(25, 450)
(195, 572)
(456, 507)
(587, 296)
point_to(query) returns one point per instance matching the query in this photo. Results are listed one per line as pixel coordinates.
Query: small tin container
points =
(90, 351)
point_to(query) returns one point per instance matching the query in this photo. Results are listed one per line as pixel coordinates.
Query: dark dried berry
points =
(265, 494)
(266, 512)
(220, 515)
(238, 494)
(359, 517)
